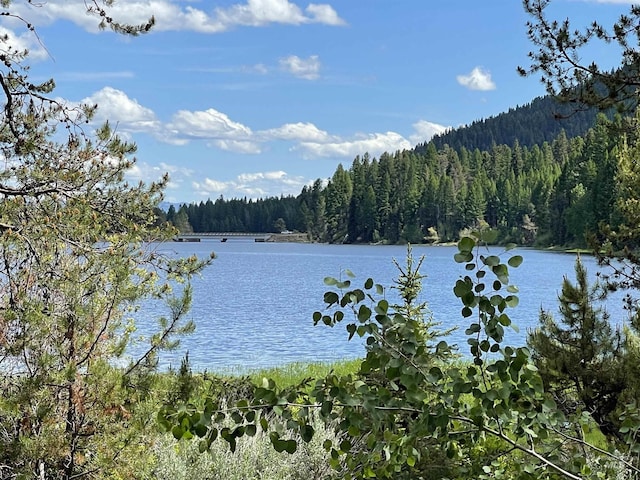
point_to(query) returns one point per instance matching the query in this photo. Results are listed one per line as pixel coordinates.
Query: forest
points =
(557, 192)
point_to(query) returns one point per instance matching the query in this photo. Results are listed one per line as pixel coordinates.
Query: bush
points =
(254, 458)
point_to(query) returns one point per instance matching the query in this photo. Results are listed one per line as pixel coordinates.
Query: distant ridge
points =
(531, 124)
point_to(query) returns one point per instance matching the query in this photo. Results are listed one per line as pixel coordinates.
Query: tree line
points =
(557, 192)
(236, 215)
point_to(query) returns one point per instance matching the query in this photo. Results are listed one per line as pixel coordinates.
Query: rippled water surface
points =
(253, 307)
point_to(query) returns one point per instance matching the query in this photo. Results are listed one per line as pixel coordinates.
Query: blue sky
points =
(254, 98)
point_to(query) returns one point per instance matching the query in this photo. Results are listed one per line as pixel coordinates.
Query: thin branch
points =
(522, 448)
(597, 449)
(103, 329)
(8, 107)
(167, 331)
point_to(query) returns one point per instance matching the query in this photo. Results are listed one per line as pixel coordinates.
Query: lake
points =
(253, 307)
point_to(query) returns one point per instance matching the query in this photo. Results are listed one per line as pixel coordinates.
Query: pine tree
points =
(181, 221)
(579, 357)
(75, 260)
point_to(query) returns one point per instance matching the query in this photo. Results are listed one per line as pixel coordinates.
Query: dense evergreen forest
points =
(532, 124)
(555, 192)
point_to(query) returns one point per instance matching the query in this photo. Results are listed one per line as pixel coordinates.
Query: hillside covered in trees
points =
(539, 121)
(552, 192)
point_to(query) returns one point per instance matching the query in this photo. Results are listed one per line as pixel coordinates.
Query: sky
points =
(257, 98)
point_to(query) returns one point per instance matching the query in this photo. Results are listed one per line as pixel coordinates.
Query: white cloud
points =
(478, 79)
(252, 185)
(424, 131)
(221, 132)
(375, 144)
(261, 12)
(115, 106)
(258, 68)
(212, 186)
(213, 126)
(245, 178)
(144, 172)
(207, 124)
(324, 14)
(176, 170)
(297, 131)
(308, 69)
(169, 15)
(237, 146)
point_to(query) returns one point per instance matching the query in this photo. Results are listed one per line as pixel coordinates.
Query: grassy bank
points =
(294, 373)
(254, 457)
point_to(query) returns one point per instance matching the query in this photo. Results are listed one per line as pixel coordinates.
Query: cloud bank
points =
(218, 130)
(173, 16)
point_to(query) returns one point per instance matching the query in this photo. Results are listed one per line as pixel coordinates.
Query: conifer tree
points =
(580, 356)
(561, 59)
(76, 260)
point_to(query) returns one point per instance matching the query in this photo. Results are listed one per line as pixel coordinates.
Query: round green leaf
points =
(491, 260)
(466, 244)
(473, 328)
(364, 313)
(515, 261)
(463, 257)
(307, 432)
(290, 446)
(331, 298)
(512, 301)
(200, 430)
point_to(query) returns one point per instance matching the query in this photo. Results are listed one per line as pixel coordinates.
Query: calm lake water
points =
(253, 307)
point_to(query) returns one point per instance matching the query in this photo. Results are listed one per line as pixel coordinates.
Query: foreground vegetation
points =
(414, 410)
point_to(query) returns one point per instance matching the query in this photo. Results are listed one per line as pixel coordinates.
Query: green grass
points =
(593, 436)
(293, 373)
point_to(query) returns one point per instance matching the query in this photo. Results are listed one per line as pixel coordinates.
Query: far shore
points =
(301, 237)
